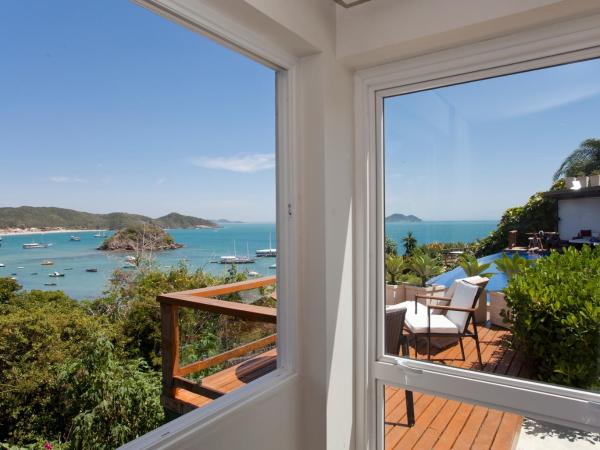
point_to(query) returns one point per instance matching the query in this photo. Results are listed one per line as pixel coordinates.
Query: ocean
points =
(201, 246)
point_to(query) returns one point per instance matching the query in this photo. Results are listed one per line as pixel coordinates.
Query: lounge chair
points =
(452, 319)
(394, 341)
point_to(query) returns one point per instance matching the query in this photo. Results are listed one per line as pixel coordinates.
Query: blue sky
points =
(105, 106)
(470, 151)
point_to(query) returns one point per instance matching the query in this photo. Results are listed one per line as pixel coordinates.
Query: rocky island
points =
(140, 238)
(401, 218)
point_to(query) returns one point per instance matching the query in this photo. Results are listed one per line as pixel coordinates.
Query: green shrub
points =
(556, 315)
(394, 267)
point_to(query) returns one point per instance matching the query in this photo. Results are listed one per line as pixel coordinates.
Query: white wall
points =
(577, 214)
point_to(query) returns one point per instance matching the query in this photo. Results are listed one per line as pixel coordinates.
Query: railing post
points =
(169, 318)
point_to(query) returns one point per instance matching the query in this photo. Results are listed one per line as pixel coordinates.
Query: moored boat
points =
(32, 245)
(56, 275)
(91, 270)
(47, 263)
(75, 238)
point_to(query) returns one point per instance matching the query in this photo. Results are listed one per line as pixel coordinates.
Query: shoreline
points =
(29, 231)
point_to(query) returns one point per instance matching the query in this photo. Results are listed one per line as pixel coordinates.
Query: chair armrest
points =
(434, 297)
(450, 308)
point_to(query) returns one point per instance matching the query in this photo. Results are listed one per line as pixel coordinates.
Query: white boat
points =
(130, 259)
(236, 259)
(56, 275)
(75, 238)
(2, 265)
(253, 274)
(20, 267)
(100, 235)
(35, 245)
(267, 252)
(273, 266)
(47, 263)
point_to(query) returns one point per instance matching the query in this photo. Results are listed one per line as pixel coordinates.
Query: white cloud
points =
(245, 163)
(62, 179)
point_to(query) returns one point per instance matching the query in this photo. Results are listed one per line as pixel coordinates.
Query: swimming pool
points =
(498, 281)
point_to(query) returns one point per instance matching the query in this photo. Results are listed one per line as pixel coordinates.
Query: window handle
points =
(411, 370)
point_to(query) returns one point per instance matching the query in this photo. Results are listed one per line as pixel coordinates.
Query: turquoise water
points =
(200, 247)
(440, 231)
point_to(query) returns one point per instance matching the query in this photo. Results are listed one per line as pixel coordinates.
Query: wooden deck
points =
(449, 424)
(440, 423)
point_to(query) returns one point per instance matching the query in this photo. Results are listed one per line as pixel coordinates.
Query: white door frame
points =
(553, 45)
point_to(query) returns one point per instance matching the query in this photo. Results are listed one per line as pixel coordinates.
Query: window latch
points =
(410, 370)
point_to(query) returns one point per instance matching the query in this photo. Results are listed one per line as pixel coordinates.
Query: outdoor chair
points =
(394, 341)
(435, 319)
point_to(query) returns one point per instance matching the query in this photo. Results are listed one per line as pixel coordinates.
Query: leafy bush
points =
(394, 267)
(539, 213)
(555, 315)
(472, 267)
(424, 267)
(512, 266)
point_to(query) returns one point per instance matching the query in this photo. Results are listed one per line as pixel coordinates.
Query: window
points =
(459, 149)
(149, 119)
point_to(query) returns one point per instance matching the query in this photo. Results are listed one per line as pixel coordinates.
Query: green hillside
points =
(48, 217)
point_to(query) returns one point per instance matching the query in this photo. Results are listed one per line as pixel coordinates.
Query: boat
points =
(47, 263)
(131, 259)
(56, 275)
(91, 270)
(100, 235)
(253, 274)
(267, 252)
(34, 273)
(35, 245)
(2, 265)
(75, 238)
(68, 268)
(236, 259)
(273, 266)
(20, 267)
(49, 284)
(129, 265)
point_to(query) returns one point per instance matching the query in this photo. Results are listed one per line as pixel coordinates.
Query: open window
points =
(483, 326)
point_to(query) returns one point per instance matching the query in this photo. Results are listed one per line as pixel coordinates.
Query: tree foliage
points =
(583, 160)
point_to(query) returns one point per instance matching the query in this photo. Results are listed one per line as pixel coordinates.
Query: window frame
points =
(212, 24)
(557, 44)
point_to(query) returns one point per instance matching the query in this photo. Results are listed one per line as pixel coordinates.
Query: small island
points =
(401, 218)
(139, 238)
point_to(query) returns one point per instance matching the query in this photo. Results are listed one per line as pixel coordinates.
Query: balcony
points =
(440, 422)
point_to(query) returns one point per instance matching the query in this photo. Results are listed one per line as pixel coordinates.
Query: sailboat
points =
(237, 259)
(267, 252)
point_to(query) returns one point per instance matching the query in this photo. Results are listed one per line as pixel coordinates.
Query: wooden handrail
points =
(241, 310)
(226, 356)
(173, 374)
(230, 288)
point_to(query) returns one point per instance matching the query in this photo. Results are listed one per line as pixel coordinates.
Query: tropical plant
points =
(539, 213)
(410, 244)
(8, 287)
(390, 247)
(585, 159)
(424, 267)
(512, 266)
(394, 267)
(472, 267)
(555, 307)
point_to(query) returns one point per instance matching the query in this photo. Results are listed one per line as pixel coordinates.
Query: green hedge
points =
(556, 316)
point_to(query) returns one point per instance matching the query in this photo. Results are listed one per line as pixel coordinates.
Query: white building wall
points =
(577, 214)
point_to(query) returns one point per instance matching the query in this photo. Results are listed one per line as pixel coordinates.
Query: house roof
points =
(574, 193)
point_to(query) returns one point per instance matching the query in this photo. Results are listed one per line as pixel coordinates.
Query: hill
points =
(49, 217)
(401, 218)
(140, 238)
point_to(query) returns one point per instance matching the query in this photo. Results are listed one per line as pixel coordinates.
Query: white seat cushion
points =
(464, 296)
(417, 323)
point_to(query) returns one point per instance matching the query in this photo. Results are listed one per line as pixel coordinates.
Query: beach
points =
(26, 231)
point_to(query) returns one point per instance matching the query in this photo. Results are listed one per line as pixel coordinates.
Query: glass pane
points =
(492, 235)
(137, 162)
(442, 423)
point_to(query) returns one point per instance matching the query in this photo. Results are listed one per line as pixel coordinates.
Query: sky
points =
(470, 151)
(105, 106)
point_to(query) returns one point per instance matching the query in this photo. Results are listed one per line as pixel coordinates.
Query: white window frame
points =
(553, 45)
(212, 24)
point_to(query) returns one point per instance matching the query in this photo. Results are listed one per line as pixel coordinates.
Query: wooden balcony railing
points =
(179, 393)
